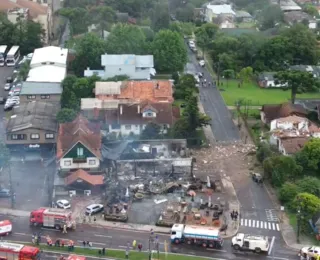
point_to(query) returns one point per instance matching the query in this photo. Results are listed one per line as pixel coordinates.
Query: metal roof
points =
(36, 114)
(39, 88)
(50, 55)
(47, 73)
(140, 61)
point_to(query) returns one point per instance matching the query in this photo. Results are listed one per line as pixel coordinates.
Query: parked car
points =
(202, 63)
(63, 204)
(2, 100)
(14, 92)
(7, 86)
(192, 44)
(5, 193)
(94, 208)
(256, 177)
(9, 80)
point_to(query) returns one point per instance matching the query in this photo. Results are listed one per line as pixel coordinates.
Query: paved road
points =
(118, 239)
(223, 128)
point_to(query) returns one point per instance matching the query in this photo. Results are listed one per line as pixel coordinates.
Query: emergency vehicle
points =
(13, 251)
(52, 217)
(5, 227)
(253, 243)
(312, 252)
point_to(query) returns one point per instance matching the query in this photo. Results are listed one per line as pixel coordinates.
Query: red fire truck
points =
(12, 251)
(5, 227)
(52, 217)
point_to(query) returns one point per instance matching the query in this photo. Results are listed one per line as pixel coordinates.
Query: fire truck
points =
(12, 251)
(52, 217)
(5, 227)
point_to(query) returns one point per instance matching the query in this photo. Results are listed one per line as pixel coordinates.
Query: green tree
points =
(310, 9)
(68, 82)
(180, 129)
(24, 71)
(169, 51)
(185, 29)
(270, 16)
(185, 87)
(126, 39)
(66, 115)
(33, 37)
(77, 16)
(151, 131)
(263, 151)
(310, 185)
(88, 53)
(280, 169)
(297, 82)
(245, 75)
(160, 18)
(203, 39)
(288, 192)
(185, 13)
(105, 16)
(309, 157)
(69, 100)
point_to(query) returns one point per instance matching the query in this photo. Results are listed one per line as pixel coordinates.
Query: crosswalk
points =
(259, 224)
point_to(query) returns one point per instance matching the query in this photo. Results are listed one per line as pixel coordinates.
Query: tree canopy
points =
(151, 131)
(169, 51)
(66, 115)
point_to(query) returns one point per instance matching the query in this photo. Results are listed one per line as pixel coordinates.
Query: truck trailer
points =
(196, 235)
(252, 243)
(52, 217)
(13, 251)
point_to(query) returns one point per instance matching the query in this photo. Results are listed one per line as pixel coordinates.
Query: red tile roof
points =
(293, 145)
(138, 91)
(282, 110)
(79, 130)
(35, 9)
(83, 175)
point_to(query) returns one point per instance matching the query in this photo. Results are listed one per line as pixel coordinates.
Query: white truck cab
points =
(253, 243)
(177, 232)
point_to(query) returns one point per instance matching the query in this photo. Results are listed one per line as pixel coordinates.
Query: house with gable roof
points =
(78, 146)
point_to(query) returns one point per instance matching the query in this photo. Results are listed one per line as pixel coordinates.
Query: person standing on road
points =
(134, 244)
(64, 231)
(140, 247)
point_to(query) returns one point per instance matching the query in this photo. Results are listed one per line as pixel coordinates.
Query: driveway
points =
(223, 128)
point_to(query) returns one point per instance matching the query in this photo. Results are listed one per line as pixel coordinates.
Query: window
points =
(67, 163)
(92, 162)
(49, 136)
(127, 127)
(51, 63)
(43, 63)
(31, 97)
(45, 96)
(18, 137)
(115, 126)
(149, 114)
(34, 136)
(80, 152)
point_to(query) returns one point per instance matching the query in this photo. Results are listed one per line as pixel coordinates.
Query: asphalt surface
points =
(118, 239)
(223, 128)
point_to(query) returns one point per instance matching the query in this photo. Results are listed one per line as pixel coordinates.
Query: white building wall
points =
(129, 70)
(65, 161)
(312, 25)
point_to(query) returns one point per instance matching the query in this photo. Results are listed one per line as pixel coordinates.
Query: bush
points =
(310, 185)
(288, 192)
(263, 151)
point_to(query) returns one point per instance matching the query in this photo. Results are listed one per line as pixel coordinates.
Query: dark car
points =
(9, 80)
(5, 193)
(256, 177)
(2, 100)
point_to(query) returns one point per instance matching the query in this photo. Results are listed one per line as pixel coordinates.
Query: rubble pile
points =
(228, 151)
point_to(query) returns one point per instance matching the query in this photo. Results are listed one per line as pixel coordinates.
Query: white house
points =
(48, 64)
(213, 11)
(134, 66)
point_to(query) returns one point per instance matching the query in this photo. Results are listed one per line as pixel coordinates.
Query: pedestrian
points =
(64, 231)
(84, 243)
(104, 251)
(94, 219)
(140, 247)
(209, 84)
(134, 244)
(88, 243)
(232, 215)
(127, 254)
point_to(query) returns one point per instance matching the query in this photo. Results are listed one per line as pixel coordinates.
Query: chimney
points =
(138, 109)
(120, 109)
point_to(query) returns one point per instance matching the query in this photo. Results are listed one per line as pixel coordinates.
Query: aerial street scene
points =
(159, 130)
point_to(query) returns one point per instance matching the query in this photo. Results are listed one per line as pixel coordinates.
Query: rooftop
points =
(79, 130)
(36, 114)
(221, 9)
(266, 76)
(288, 5)
(35, 9)
(293, 145)
(47, 73)
(137, 91)
(291, 119)
(296, 16)
(140, 61)
(49, 55)
(243, 14)
(282, 110)
(314, 70)
(41, 88)
(83, 175)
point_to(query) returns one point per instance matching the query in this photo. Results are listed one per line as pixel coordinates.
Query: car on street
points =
(94, 209)
(192, 44)
(14, 92)
(63, 204)
(9, 80)
(196, 77)
(202, 63)
(5, 193)
(2, 100)
(7, 86)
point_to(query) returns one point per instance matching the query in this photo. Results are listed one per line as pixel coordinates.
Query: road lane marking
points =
(51, 229)
(93, 243)
(269, 224)
(275, 257)
(265, 225)
(21, 234)
(273, 226)
(271, 245)
(97, 235)
(249, 222)
(253, 223)
(278, 228)
(218, 250)
(245, 222)
(241, 222)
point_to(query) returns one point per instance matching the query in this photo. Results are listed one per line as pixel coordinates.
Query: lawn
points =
(120, 254)
(246, 25)
(255, 95)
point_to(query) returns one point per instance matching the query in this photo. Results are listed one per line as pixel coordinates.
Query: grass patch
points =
(256, 96)
(246, 25)
(120, 254)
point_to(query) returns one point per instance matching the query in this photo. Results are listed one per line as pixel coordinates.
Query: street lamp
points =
(298, 224)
